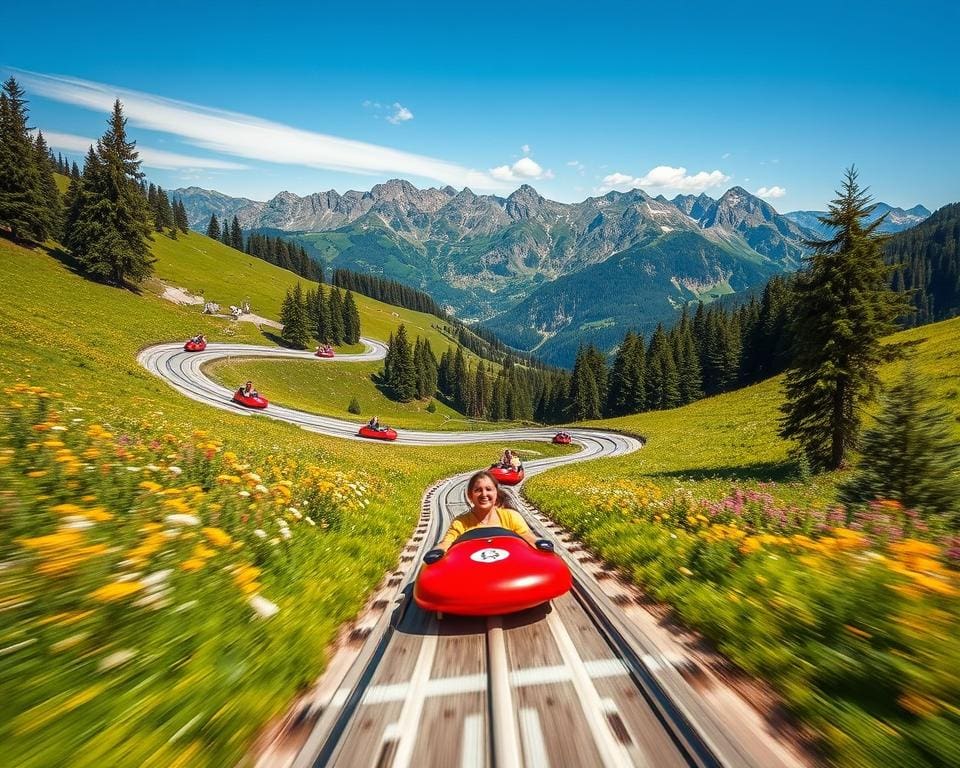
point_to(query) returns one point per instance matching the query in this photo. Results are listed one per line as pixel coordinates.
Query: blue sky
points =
(252, 99)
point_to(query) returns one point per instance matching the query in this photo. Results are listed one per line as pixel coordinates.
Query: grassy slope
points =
(80, 338)
(707, 445)
(221, 274)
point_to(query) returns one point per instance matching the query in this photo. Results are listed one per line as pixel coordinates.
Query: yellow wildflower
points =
(116, 591)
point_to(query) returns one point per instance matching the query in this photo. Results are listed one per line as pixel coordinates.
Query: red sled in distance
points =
(506, 476)
(562, 438)
(250, 402)
(377, 434)
(325, 354)
(194, 346)
(489, 572)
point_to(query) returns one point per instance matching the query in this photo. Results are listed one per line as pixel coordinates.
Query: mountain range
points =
(544, 275)
(897, 219)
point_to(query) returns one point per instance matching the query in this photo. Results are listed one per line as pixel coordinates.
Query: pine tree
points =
(661, 378)
(225, 234)
(162, 212)
(52, 204)
(909, 455)
(403, 375)
(236, 234)
(322, 313)
(23, 209)
(387, 374)
(109, 227)
(688, 361)
(213, 228)
(482, 392)
(180, 217)
(844, 306)
(293, 316)
(351, 319)
(584, 395)
(460, 384)
(335, 315)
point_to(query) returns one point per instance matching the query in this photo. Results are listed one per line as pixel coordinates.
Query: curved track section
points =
(567, 683)
(183, 371)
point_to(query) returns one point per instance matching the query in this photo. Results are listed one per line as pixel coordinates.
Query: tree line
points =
(328, 316)
(274, 250)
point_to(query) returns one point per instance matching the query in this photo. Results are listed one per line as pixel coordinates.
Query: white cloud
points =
(771, 192)
(576, 164)
(726, 155)
(525, 149)
(151, 158)
(400, 114)
(664, 177)
(241, 135)
(525, 169)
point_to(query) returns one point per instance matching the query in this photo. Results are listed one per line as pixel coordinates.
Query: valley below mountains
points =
(544, 275)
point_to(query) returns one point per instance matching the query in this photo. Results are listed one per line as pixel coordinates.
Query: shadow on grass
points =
(762, 471)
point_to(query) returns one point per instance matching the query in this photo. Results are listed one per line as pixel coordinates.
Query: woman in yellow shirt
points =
(488, 510)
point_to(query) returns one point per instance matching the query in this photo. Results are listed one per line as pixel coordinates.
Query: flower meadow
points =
(853, 615)
(162, 597)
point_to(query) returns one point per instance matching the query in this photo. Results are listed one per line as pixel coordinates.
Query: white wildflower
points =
(117, 658)
(182, 519)
(244, 494)
(133, 469)
(175, 471)
(295, 512)
(152, 467)
(260, 533)
(76, 523)
(309, 520)
(260, 488)
(58, 428)
(157, 577)
(263, 607)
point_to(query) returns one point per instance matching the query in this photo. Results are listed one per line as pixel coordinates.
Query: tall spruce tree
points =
(52, 204)
(236, 234)
(460, 389)
(690, 376)
(293, 316)
(910, 454)
(322, 314)
(844, 306)
(335, 316)
(584, 393)
(23, 209)
(180, 216)
(351, 319)
(402, 373)
(109, 228)
(661, 378)
(213, 228)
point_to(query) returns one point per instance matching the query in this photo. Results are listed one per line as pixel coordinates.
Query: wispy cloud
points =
(525, 149)
(664, 177)
(400, 114)
(152, 158)
(525, 169)
(240, 135)
(726, 155)
(578, 166)
(771, 192)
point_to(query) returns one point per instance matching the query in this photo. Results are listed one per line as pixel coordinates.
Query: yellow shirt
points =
(509, 519)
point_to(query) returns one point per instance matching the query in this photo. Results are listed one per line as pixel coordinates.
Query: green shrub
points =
(354, 406)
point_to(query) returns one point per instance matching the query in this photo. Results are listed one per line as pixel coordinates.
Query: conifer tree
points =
(690, 377)
(351, 319)
(293, 316)
(909, 455)
(460, 384)
(225, 234)
(404, 381)
(322, 314)
(843, 307)
(52, 205)
(109, 227)
(661, 378)
(23, 209)
(180, 217)
(584, 395)
(236, 235)
(336, 330)
(387, 374)
(482, 392)
(162, 212)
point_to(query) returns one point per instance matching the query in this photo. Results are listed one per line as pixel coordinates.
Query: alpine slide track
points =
(570, 683)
